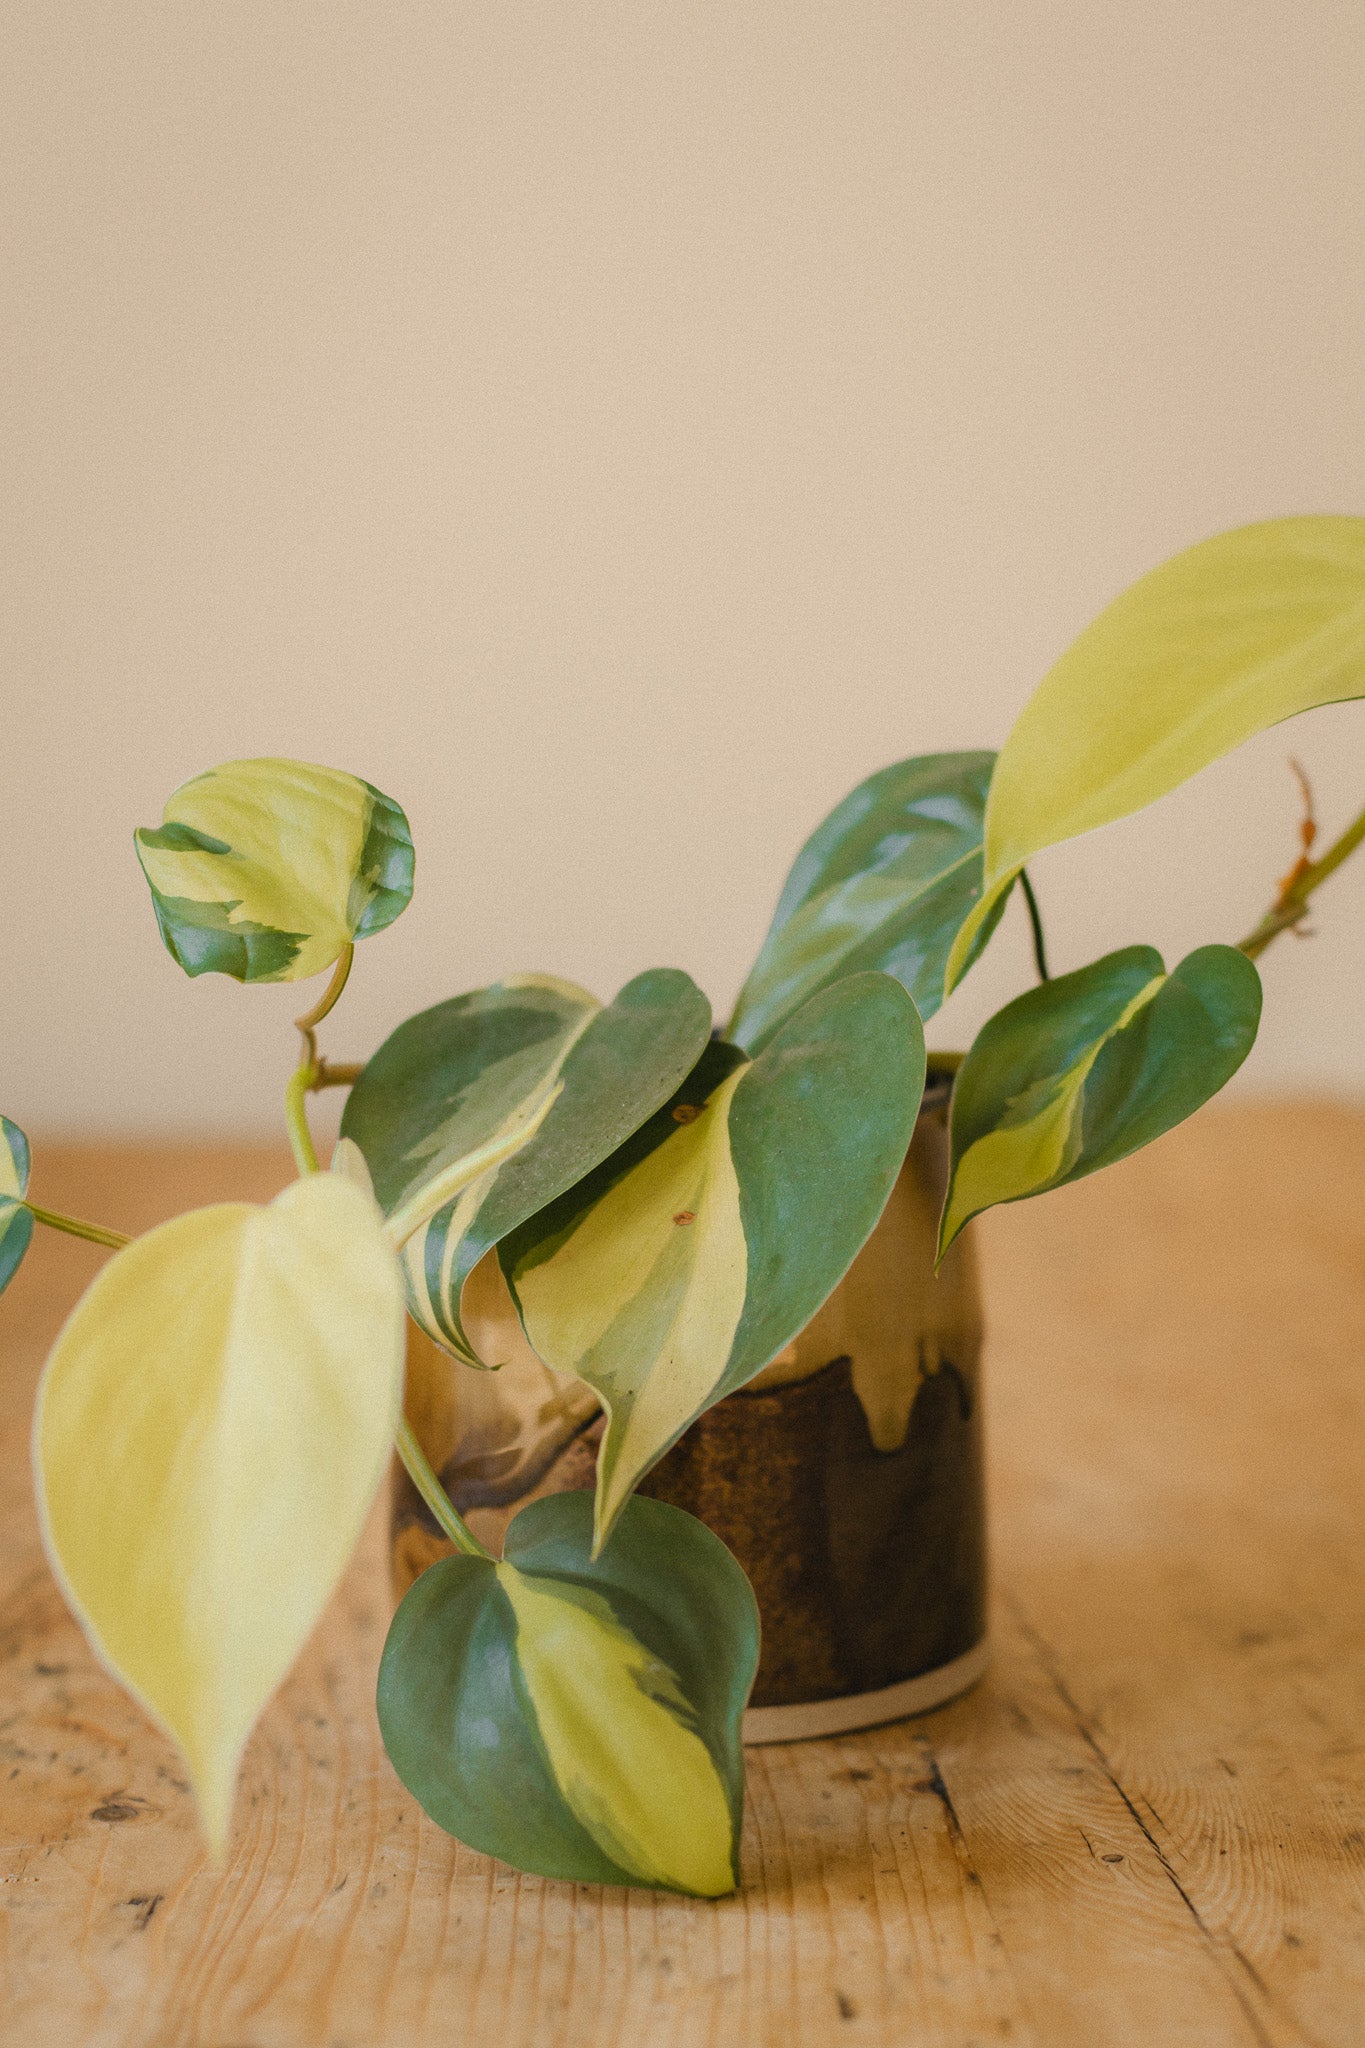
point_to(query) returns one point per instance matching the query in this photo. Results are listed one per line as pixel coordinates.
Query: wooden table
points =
(1146, 1827)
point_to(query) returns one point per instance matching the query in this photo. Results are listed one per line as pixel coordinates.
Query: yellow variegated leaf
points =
(617, 1730)
(579, 1715)
(16, 1219)
(211, 1427)
(267, 870)
(1038, 1139)
(646, 1295)
(1229, 637)
(1089, 1067)
(457, 1175)
(460, 1074)
(681, 1266)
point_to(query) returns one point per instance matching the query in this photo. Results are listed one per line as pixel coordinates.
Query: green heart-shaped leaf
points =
(1086, 1069)
(1223, 640)
(267, 870)
(449, 1079)
(686, 1261)
(885, 882)
(16, 1221)
(581, 1718)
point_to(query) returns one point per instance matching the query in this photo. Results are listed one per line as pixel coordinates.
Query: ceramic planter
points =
(847, 1478)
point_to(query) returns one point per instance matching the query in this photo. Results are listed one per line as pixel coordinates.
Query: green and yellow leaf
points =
(1229, 637)
(267, 870)
(684, 1263)
(212, 1425)
(459, 1075)
(581, 1718)
(1086, 1069)
(886, 882)
(16, 1221)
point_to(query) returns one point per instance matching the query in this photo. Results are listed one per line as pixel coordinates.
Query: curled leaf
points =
(212, 1424)
(16, 1221)
(267, 870)
(579, 1717)
(463, 1074)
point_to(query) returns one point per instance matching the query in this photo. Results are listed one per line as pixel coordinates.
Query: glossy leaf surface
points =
(1088, 1068)
(678, 1269)
(886, 882)
(467, 1069)
(581, 1718)
(16, 1222)
(266, 870)
(1231, 636)
(211, 1427)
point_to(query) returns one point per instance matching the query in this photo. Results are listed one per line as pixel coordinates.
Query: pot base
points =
(808, 1719)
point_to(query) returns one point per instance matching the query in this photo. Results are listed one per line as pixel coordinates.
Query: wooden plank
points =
(1147, 1826)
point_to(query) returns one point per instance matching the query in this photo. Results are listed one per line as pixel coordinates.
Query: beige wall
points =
(616, 428)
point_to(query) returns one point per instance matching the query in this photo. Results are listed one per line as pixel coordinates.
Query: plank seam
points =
(1218, 1947)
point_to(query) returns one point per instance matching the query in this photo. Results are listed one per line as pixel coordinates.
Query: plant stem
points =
(93, 1233)
(330, 995)
(342, 1074)
(1035, 918)
(434, 1494)
(1293, 901)
(296, 1117)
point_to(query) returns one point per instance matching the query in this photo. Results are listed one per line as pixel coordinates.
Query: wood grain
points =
(1146, 1827)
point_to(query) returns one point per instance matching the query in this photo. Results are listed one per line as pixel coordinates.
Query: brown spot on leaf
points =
(686, 1113)
(686, 1216)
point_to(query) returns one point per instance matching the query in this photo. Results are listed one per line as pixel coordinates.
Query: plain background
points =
(615, 429)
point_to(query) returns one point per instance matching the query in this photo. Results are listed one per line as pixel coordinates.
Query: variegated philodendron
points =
(669, 1210)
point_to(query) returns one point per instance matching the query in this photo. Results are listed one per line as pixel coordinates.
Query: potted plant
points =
(648, 1225)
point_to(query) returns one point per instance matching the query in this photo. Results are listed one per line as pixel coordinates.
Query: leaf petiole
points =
(1035, 918)
(446, 1515)
(326, 1002)
(296, 1117)
(93, 1233)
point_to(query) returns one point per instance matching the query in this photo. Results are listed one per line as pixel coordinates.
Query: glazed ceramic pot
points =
(846, 1478)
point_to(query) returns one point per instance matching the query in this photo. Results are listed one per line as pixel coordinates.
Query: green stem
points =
(296, 1117)
(330, 996)
(1293, 903)
(93, 1233)
(1035, 918)
(434, 1494)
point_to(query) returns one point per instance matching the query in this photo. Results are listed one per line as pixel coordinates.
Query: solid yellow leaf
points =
(1227, 638)
(212, 1425)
